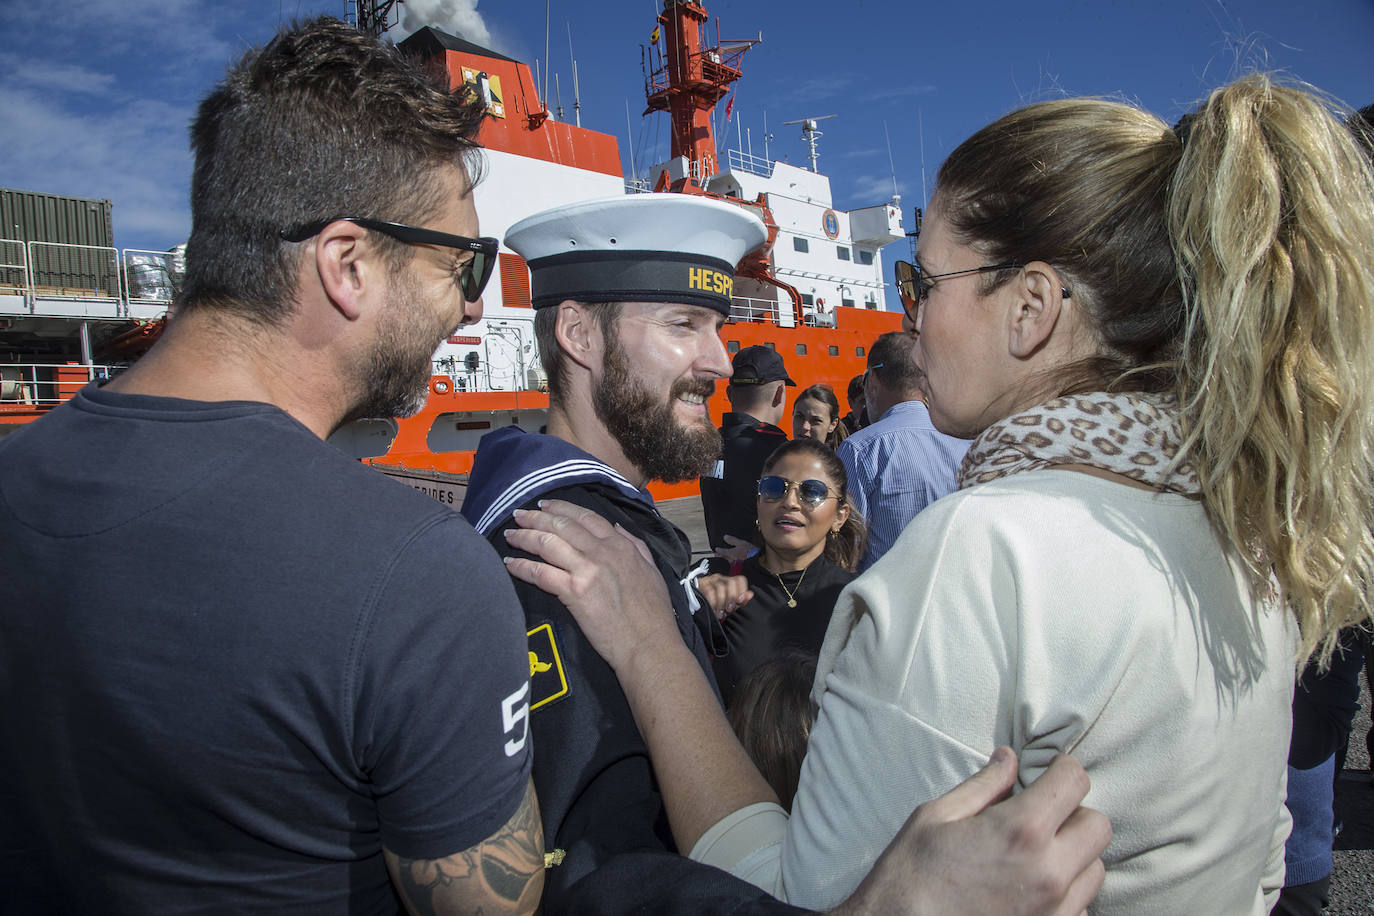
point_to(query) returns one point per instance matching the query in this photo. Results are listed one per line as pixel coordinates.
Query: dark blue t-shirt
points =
(235, 664)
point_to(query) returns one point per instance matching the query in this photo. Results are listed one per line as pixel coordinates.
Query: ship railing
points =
(86, 280)
(14, 268)
(739, 160)
(38, 386)
(746, 308)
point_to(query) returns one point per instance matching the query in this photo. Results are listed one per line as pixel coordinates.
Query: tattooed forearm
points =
(502, 874)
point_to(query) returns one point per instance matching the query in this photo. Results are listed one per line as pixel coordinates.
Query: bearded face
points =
(645, 424)
(396, 376)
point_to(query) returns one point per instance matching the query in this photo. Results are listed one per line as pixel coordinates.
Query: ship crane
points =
(810, 133)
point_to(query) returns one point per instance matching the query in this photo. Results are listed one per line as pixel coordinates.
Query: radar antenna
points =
(810, 133)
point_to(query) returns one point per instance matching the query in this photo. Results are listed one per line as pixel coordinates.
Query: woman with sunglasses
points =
(816, 415)
(811, 542)
(1162, 341)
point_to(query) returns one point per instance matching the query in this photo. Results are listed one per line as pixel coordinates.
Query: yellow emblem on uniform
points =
(548, 682)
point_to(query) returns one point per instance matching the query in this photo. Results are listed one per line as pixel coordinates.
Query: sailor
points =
(630, 295)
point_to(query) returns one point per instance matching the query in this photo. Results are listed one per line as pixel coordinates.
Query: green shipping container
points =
(31, 216)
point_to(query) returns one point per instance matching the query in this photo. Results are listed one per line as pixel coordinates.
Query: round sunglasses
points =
(810, 493)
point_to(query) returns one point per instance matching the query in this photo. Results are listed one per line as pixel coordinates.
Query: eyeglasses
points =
(810, 493)
(475, 273)
(914, 284)
(870, 369)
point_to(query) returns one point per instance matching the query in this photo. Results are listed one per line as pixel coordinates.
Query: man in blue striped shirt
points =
(900, 463)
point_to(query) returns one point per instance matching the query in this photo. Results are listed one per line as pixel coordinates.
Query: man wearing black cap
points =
(749, 433)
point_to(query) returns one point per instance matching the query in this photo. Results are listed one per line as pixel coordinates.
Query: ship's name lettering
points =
(710, 280)
(443, 496)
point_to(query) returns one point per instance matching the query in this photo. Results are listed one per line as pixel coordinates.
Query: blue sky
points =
(95, 95)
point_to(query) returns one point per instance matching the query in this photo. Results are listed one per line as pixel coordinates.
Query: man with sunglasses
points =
(900, 463)
(242, 671)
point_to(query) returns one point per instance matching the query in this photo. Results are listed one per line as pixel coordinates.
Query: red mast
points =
(691, 80)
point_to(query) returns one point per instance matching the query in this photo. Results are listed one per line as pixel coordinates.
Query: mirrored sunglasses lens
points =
(772, 488)
(813, 492)
(906, 284)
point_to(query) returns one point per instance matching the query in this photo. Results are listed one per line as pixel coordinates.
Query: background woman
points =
(816, 415)
(783, 596)
(1163, 341)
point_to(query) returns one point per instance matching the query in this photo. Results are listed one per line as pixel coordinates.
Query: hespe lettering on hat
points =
(637, 248)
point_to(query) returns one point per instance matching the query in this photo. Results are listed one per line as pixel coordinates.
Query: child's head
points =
(772, 715)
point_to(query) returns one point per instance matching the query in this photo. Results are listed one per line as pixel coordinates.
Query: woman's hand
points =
(603, 574)
(725, 594)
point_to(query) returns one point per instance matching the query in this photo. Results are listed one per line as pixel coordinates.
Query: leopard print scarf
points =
(1135, 435)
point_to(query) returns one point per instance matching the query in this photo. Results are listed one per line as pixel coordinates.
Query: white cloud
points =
(871, 190)
(457, 17)
(901, 91)
(49, 76)
(136, 156)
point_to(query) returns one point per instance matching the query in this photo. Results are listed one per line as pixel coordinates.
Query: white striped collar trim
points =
(537, 482)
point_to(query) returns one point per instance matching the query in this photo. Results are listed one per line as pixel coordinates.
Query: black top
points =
(759, 630)
(236, 663)
(729, 500)
(596, 787)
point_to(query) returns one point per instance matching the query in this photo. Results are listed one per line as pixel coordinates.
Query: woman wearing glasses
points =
(811, 542)
(1163, 342)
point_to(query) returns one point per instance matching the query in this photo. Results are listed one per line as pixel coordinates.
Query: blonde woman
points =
(1161, 341)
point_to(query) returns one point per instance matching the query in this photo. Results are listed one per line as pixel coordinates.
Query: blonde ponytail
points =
(1271, 215)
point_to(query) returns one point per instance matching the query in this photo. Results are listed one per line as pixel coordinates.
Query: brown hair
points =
(323, 121)
(772, 716)
(606, 315)
(844, 548)
(891, 353)
(1235, 271)
(826, 395)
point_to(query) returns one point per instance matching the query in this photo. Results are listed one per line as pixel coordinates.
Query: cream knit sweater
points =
(1057, 613)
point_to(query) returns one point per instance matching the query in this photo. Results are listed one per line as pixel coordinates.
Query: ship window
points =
(770, 345)
(732, 346)
(865, 256)
(799, 244)
(834, 351)
(842, 252)
(858, 351)
(515, 281)
(801, 349)
(808, 299)
(846, 302)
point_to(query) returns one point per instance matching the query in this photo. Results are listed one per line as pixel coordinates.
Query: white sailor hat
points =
(637, 248)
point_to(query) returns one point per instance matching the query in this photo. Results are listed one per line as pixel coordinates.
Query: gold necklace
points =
(792, 595)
